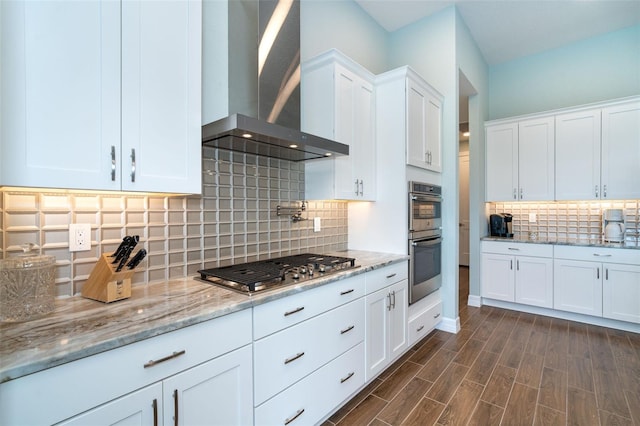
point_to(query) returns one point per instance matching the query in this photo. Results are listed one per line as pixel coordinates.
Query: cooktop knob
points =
(303, 270)
(296, 275)
(322, 268)
(310, 270)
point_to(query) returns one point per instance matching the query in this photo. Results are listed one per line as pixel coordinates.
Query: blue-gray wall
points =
(596, 69)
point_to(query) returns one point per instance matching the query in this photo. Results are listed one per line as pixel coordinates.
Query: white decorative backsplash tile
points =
(569, 220)
(233, 221)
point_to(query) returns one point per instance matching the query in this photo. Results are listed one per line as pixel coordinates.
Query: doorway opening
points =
(465, 139)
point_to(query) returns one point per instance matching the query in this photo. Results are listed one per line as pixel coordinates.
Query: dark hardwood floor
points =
(507, 368)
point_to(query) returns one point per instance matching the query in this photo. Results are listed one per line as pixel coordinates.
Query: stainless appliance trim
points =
(422, 289)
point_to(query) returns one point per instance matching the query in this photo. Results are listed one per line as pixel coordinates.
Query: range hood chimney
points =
(264, 85)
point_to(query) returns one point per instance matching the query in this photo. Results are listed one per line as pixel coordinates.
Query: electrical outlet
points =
(532, 218)
(79, 237)
(317, 226)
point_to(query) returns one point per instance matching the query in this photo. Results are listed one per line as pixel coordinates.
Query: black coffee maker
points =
(500, 225)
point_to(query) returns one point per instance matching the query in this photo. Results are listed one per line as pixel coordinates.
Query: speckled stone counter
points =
(565, 242)
(81, 327)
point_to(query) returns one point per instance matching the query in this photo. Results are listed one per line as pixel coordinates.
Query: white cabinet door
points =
(621, 152)
(577, 286)
(398, 318)
(218, 392)
(142, 407)
(578, 155)
(621, 292)
(102, 95)
(502, 162)
(534, 281)
(498, 277)
(161, 124)
(377, 333)
(424, 123)
(60, 94)
(536, 142)
(338, 102)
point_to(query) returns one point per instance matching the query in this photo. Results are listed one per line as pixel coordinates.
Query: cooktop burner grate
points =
(265, 274)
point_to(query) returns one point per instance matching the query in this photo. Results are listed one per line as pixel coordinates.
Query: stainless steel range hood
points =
(264, 86)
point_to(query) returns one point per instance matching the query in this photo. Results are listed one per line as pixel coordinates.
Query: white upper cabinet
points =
(338, 102)
(578, 155)
(621, 151)
(85, 84)
(424, 125)
(598, 153)
(520, 160)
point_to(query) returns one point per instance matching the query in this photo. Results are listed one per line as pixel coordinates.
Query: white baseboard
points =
(587, 319)
(449, 325)
(474, 301)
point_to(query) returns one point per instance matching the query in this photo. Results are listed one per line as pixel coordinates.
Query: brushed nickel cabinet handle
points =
(342, 293)
(515, 193)
(436, 315)
(389, 300)
(601, 255)
(153, 362)
(295, 416)
(175, 407)
(393, 293)
(597, 191)
(113, 162)
(155, 412)
(295, 311)
(420, 328)
(598, 273)
(514, 249)
(606, 274)
(604, 191)
(391, 276)
(350, 375)
(348, 329)
(293, 358)
(357, 187)
(133, 165)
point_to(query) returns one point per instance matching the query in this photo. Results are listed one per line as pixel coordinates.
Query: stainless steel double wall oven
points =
(425, 239)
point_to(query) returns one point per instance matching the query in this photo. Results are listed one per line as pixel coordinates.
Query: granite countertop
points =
(566, 241)
(81, 327)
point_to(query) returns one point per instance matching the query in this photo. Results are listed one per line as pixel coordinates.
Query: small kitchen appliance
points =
(500, 225)
(249, 278)
(613, 226)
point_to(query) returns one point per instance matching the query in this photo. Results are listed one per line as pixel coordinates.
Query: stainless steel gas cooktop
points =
(269, 274)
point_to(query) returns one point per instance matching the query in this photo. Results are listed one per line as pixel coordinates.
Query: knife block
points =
(107, 285)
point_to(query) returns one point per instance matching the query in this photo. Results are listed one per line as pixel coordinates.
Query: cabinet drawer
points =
(517, 249)
(110, 374)
(313, 398)
(287, 356)
(384, 277)
(279, 314)
(598, 254)
(422, 325)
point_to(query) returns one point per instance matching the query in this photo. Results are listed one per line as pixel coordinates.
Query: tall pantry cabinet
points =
(102, 95)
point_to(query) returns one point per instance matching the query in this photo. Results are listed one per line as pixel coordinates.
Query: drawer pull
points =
(420, 328)
(295, 311)
(601, 255)
(391, 276)
(155, 412)
(342, 293)
(348, 329)
(153, 362)
(436, 315)
(290, 419)
(350, 375)
(514, 249)
(175, 408)
(293, 358)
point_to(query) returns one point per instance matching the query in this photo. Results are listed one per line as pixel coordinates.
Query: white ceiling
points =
(509, 29)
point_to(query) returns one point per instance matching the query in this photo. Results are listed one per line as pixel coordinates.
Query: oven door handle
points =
(426, 243)
(429, 198)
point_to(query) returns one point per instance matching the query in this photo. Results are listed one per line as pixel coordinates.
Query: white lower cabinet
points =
(213, 393)
(602, 282)
(517, 272)
(210, 368)
(386, 324)
(311, 399)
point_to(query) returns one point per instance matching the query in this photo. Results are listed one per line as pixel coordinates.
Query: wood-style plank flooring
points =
(506, 368)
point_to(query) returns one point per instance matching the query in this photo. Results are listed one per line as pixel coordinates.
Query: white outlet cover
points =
(532, 218)
(317, 227)
(79, 237)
